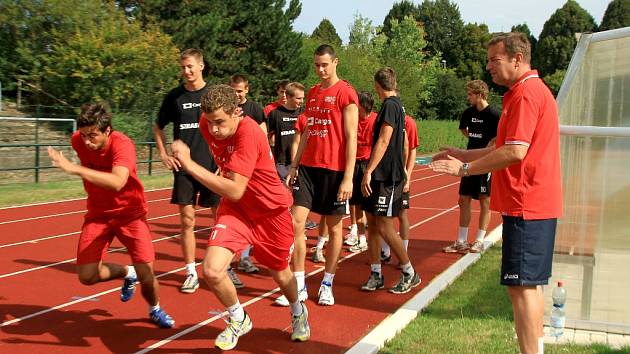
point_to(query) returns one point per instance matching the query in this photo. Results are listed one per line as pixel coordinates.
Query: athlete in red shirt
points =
(116, 208)
(326, 164)
(253, 209)
(526, 185)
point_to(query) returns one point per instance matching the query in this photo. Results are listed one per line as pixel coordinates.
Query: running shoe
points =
(310, 225)
(301, 330)
(359, 247)
(228, 339)
(406, 283)
(283, 301)
(476, 247)
(234, 278)
(456, 247)
(386, 258)
(325, 294)
(351, 240)
(374, 282)
(128, 289)
(161, 318)
(190, 284)
(247, 265)
(318, 256)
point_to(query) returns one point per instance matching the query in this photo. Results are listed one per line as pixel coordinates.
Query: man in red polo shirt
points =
(254, 209)
(115, 208)
(526, 185)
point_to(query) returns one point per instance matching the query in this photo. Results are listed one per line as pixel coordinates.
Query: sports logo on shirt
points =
(381, 200)
(330, 99)
(190, 105)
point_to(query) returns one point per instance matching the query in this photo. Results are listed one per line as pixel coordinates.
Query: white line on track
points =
(78, 232)
(62, 214)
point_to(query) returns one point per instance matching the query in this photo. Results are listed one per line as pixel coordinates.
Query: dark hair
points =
(366, 101)
(95, 114)
(514, 42)
(238, 78)
(386, 78)
(192, 52)
(219, 96)
(281, 84)
(326, 49)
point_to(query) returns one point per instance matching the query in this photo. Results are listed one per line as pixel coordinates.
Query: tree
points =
(554, 81)
(617, 15)
(327, 33)
(557, 39)
(444, 27)
(449, 97)
(398, 12)
(472, 60)
(361, 32)
(254, 38)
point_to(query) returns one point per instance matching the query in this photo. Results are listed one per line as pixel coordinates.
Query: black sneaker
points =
(406, 283)
(386, 259)
(311, 225)
(374, 282)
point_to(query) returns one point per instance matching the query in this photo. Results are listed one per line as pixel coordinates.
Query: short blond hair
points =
(292, 87)
(219, 96)
(478, 87)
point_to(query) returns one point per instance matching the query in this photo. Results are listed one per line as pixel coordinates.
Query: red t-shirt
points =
(102, 202)
(412, 132)
(247, 153)
(326, 146)
(300, 124)
(270, 107)
(531, 188)
(364, 136)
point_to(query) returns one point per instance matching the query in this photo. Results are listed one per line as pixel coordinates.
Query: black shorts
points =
(473, 186)
(527, 251)
(385, 200)
(357, 197)
(317, 188)
(405, 200)
(189, 191)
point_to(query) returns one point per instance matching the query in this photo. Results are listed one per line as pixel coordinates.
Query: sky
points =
(499, 15)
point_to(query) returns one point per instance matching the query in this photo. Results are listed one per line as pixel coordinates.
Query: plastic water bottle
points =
(558, 314)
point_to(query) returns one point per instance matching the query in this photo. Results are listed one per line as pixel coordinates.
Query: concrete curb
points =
(393, 324)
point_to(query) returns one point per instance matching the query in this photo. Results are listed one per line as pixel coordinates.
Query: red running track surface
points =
(44, 308)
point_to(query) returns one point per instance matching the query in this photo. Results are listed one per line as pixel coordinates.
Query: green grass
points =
(473, 315)
(26, 193)
(435, 133)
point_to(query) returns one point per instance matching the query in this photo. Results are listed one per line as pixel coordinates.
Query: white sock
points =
(375, 268)
(385, 249)
(236, 312)
(299, 277)
(328, 278)
(362, 239)
(296, 308)
(190, 268)
(541, 345)
(481, 234)
(321, 240)
(154, 308)
(131, 273)
(462, 236)
(353, 229)
(245, 252)
(406, 244)
(407, 268)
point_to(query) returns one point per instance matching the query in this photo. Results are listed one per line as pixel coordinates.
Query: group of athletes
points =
(262, 171)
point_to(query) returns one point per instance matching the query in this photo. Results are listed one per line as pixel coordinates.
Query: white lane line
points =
(78, 232)
(69, 200)
(427, 177)
(74, 259)
(63, 214)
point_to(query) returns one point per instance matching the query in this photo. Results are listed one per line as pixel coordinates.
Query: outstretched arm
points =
(114, 180)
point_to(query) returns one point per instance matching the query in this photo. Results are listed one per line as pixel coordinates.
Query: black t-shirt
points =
(392, 166)
(253, 110)
(182, 108)
(282, 125)
(482, 125)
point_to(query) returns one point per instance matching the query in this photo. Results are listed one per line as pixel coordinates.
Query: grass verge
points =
(473, 315)
(26, 193)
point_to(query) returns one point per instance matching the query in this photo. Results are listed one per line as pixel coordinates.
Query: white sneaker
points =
(283, 301)
(325, 294)
(351, 240)
(359, 247)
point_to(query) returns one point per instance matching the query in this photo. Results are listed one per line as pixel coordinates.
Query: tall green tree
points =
(444, 28)
(617, 15)
(86, 50)
(557, 39)
(255, 38)
(472, 60)
(326, 32)
(398, 12)
(361, 32)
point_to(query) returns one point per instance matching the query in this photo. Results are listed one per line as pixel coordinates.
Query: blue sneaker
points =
(128, 289)
(161, 318)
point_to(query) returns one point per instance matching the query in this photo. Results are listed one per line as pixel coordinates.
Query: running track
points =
(44, 308)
